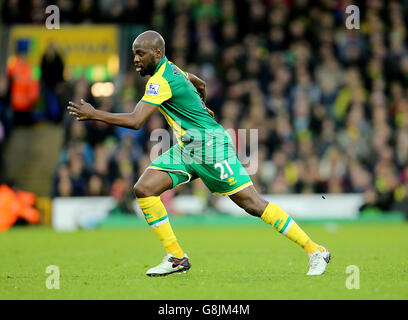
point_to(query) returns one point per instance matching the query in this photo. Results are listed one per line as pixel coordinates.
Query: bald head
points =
(148, 48)
(150, 40)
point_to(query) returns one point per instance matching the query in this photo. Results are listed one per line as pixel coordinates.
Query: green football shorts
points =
(223, 176)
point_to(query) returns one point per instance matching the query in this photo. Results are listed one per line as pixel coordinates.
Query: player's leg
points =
(147, 190)
(249, 200)
(152, 183)
(166, 172)
(270, 213)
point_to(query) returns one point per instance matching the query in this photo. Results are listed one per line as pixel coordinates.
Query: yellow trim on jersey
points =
(163, 93)
(159, 88)
(243, 186)
(160, 92)
(177, 129)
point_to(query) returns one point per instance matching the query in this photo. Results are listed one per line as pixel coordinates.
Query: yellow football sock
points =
(283, 223)
(312, 247)
(156, 216)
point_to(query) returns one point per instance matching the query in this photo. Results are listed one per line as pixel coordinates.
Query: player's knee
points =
(140, 190)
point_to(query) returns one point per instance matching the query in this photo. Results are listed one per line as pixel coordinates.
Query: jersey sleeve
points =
(157, 91)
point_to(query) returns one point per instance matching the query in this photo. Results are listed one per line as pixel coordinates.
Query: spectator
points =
(52, 69)
(66, 8)
(87, 11)
(6, 119)
(330, 104)
(14, 11)
(24, 89)
(98, 131)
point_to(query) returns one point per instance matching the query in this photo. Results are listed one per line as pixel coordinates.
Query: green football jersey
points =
(180, 103)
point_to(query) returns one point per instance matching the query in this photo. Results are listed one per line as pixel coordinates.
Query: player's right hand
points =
(85, 111)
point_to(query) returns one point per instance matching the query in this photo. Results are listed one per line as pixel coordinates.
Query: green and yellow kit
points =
(204, 148)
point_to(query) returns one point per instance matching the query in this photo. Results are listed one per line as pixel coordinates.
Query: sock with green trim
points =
(157, 218)
(283, 223)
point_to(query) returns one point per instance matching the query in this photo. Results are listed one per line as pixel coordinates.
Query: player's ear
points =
(158, 53)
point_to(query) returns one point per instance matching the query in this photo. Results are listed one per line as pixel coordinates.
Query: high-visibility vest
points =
(8, 208)
(28, 199)
(24, 89)
(16, 205)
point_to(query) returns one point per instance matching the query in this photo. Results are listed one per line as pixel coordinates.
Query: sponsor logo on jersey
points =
(152, 89)
(232, 181)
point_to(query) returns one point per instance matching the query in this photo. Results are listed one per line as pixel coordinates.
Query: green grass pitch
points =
(228, 262)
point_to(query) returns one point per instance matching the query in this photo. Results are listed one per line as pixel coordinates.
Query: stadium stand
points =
(330, 104)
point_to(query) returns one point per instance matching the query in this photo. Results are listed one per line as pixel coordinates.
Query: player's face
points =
(144, 60)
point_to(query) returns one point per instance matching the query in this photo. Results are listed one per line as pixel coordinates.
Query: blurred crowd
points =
(26, 97)
(78, 11)
(330, 104)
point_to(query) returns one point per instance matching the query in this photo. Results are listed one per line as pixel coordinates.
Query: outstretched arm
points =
(133, 120)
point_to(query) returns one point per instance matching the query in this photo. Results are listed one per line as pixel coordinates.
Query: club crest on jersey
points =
(152, 89)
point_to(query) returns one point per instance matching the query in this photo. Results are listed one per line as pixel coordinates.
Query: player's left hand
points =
(84, 111)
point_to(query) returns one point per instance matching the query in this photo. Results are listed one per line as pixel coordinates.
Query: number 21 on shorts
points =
(220, 165)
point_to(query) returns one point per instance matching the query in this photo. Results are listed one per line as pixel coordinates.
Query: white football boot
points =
(170, 264)
(318, 262)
